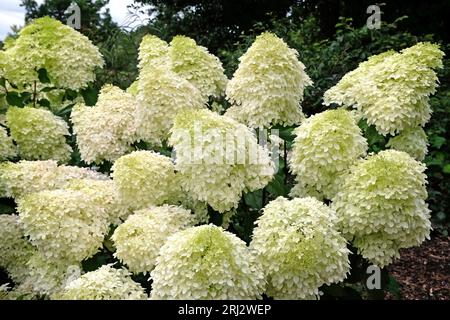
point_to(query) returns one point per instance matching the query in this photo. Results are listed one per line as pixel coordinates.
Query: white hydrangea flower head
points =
(7, 148)
(39, 134)
(69, 57)
(218, 158)
(153, 52)
(105, 283)
(392, 89)
(195, 64)
(140, 237)
(297, 244)
(326, 145)
(206, 263)
(106, 195)
(160, 92)
(413, 141)
(107, 130)
(24, 177)
(161, 95)
(63, 224)
(46, 277)
(144, 178)
(268, 85)
(20, 178)
(381, 205)
(15, 250)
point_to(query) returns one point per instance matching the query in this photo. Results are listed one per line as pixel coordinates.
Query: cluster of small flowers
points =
(218, 158)
(105, 283)
(206, 262)
(106, 194)
(299, 248)
(63, 224)
(195, 64)
(268, 85)
(381, 205)
(107, 130)
(24, 177)
(15, 250)
(39, 134)
(144, 178)
(326, 145)
(392, 89)
(140, 237)
(171, 79)
(69, 57)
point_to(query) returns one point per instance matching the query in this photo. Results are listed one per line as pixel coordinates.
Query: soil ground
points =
(424, 272)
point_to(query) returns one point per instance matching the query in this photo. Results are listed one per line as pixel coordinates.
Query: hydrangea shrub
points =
(93, 207)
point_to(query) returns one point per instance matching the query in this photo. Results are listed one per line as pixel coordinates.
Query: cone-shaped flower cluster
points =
(206, 262)
(327, 144)
(268, 85)
(106, 194)
(107, 130)
(105, 283)
(392, 89)
(299, 248)
(218, 158)
(63, 224)
(195, 64)
(161, 92)
(144, 178)
(381, 205)
(39, 134)
(69, 57)
(140, 237)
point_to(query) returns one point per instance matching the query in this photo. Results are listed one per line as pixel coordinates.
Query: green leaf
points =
(3, 82)
(65, 110)
(276, 186)
(70, 94)
(90, 96)
(14, 99)
(48, 89)
(43, 76)
(253, 199)
(446, 168)
(44, 103)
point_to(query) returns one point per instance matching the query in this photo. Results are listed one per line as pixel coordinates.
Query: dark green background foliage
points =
(329, 46)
